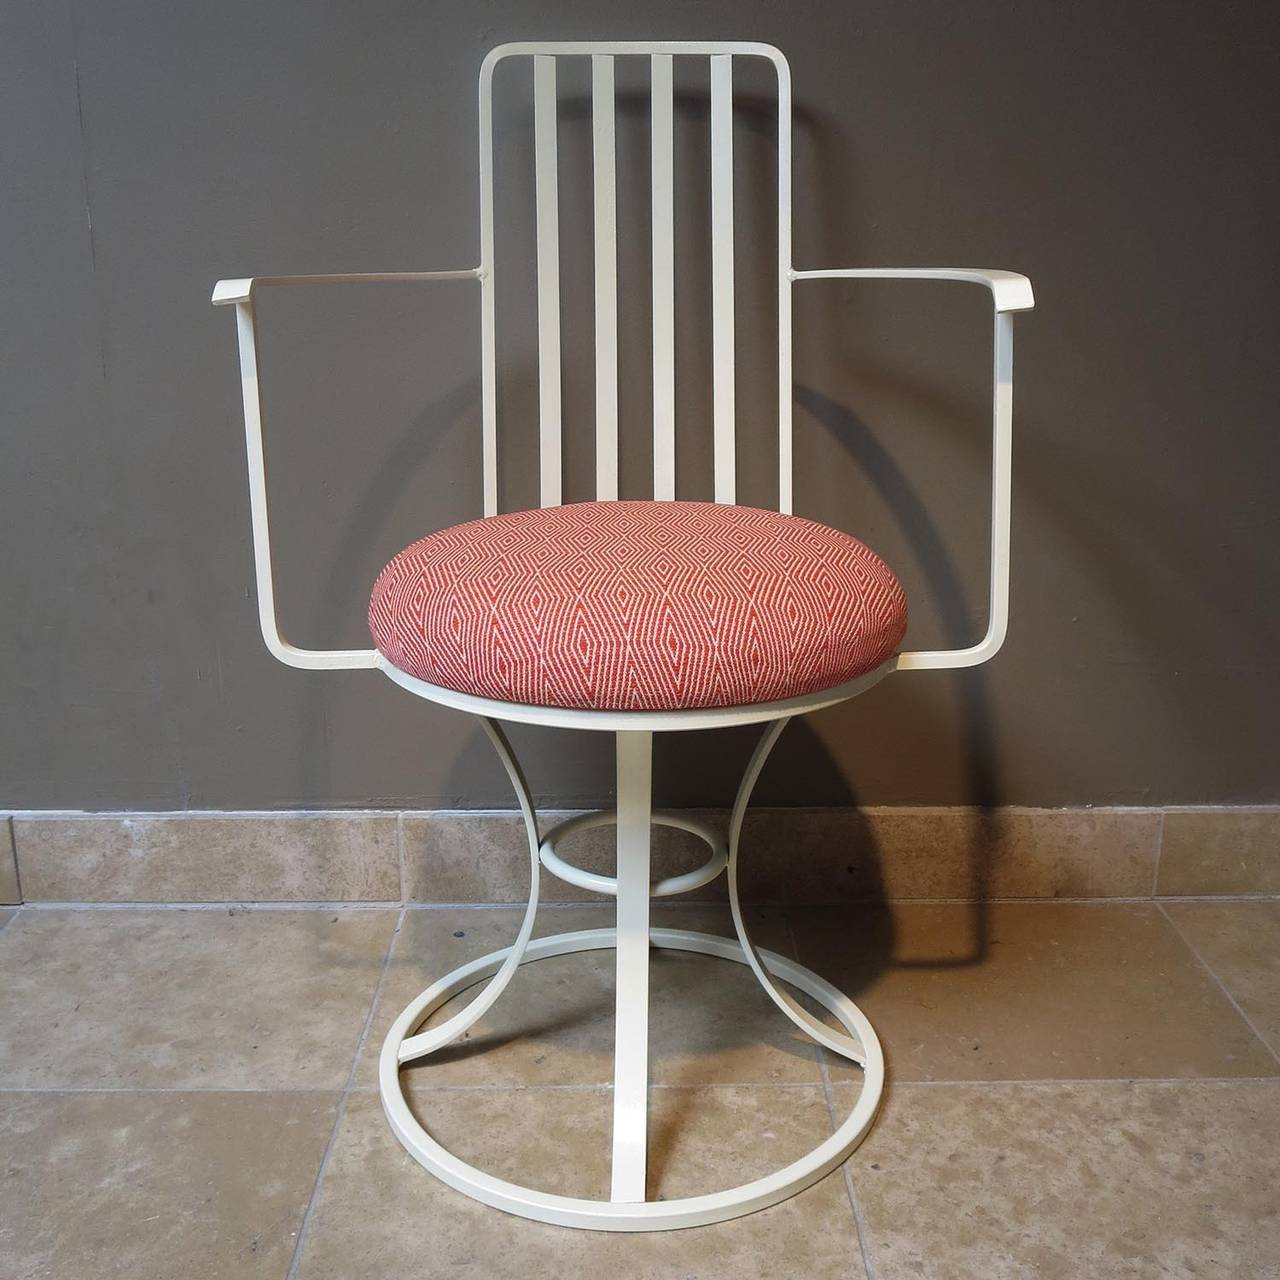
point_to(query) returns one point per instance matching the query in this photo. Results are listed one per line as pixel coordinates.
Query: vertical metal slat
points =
(606, 295)
(785, 462)
(488, 345)
(722, 335)
(664, 279)
(548, 225)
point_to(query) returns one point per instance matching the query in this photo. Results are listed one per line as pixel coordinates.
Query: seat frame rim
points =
(652, 721)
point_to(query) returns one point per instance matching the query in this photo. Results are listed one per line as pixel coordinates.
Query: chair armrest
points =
(227, 292)
(240, 294)
(1010, 292)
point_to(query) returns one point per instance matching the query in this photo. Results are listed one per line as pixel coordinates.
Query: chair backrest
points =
(1010, 293)
(661, 55)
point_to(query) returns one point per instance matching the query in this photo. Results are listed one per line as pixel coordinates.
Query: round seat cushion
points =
(638, 606)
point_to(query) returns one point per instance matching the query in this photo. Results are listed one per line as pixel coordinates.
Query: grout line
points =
(598, 1086)
(859, 1219)
(184, 815)
(373, 1003)
(604, 1086)
(401, 805)
(391, 904)
(356, 904)
(200, 1089)
(233, 908)
(1155, 870)
(1075, 1080)
(1208, 968)
(341, 1110)
(404, 893)
(1140, 900)
(13, 856)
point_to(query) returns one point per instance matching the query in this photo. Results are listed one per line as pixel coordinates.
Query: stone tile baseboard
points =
(797, 856)
(208, 857)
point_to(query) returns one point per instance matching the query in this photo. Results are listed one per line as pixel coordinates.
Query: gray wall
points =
(1125, 157)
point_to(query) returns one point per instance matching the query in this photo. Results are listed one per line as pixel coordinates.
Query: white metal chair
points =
(409, 598)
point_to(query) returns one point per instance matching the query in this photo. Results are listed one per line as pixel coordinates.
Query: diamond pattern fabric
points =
(638, 606)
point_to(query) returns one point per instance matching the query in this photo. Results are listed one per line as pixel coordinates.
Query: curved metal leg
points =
(429, 1041)
(844, 1045)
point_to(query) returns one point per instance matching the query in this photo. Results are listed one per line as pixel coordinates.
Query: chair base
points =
(632, 941)
(630, 1215)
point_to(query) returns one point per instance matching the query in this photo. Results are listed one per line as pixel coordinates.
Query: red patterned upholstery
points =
(653, 606)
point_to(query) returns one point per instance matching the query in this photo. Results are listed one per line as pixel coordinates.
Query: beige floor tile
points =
(709, 1021)
(1100, 1180)
(380, 1214)
(186, 999)
(1025, 991)
(156, 1184)
(1240, 942)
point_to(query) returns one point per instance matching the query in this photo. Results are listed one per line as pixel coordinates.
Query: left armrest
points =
(227, 292)
(240, 294)
(1010, 292)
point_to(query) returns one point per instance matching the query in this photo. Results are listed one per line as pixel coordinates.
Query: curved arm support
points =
(845, 1046)
(429, 1041)
(1010, 292)
(240, 293)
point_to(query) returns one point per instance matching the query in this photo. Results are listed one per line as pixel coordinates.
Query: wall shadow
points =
(365, 528)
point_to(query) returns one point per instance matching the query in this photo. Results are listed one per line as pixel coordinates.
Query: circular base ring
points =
(606, 1215)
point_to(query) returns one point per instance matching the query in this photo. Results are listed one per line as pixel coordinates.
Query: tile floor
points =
(1077, 1090)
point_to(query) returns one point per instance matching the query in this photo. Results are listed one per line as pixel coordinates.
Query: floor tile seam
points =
(374, 1000)
(1030, 900)
(246, 905)
(404, 892)
(224, 906)
(602, 1086)
(1071, 1081)
(605, 1086)
(846, 1174)
(340, 1110)
(197, 1090)
(1222, 986)
(1155, 869)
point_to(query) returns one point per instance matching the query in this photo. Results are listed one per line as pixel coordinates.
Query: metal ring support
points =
(608, 1215)
(666, 888)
